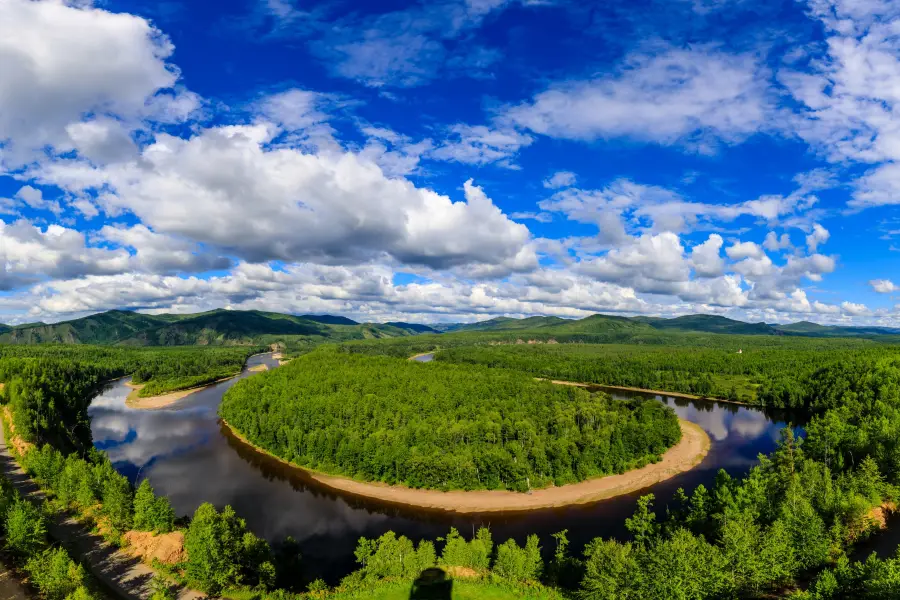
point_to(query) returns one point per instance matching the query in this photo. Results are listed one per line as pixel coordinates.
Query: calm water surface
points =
(189, 457)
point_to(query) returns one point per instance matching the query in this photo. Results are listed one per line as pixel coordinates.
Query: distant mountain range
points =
(687, 323)
(221, 326)
(209, 328)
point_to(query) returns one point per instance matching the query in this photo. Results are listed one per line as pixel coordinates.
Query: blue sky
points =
(454, 160)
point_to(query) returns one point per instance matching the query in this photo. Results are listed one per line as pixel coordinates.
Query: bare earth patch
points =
(258, 368)
(167, 548)
(684, 456)
(463, 573)
(19, 445)
(161, 401)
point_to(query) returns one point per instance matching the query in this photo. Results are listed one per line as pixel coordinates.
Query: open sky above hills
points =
(451, 160)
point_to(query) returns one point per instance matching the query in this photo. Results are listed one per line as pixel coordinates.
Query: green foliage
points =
(49, 388)
(442, 426)
(872, 579)
(777, 374)
(642, 525)
(475, 554)
(152, 513)
(611, 570)
(221, 553)
(212, 543)
(519, 564)
(393, 557)
(56, 575)
(161, 589)
(25, 529)
(117, 501)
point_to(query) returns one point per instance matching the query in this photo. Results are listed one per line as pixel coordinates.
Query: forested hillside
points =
(442, 426)
(685, 324)
(217, 327)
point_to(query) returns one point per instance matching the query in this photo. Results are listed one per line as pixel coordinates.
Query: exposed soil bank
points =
(685, 455)
(163, 400)
(133, 400)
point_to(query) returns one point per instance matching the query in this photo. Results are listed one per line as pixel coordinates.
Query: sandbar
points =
(133, 400)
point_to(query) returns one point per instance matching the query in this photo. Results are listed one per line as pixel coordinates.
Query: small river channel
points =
(190, 457)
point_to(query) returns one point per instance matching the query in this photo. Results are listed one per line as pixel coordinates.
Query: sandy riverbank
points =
(684, 456)
(133, 400)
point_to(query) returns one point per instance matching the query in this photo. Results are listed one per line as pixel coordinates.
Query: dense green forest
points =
(49, 387)
(773, 375)
(769, 370)
(442, 426)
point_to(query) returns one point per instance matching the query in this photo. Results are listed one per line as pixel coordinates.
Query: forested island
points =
(440, 426)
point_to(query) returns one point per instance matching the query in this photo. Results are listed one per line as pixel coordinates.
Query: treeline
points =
(798, 512)
(516, 569)
(780, 376)
(50, 569)
(793, 518)
(221, 552)
(442, 426)
(406, 347)
(50, 387)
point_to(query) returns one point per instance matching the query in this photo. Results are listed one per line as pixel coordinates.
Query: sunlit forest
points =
(477, 418)
(442, 426)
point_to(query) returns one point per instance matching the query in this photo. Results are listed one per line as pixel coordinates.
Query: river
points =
(191, 458)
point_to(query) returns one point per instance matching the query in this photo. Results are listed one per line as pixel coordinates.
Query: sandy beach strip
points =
(685, 455)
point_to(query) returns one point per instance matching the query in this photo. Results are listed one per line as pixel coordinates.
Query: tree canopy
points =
(442, 426)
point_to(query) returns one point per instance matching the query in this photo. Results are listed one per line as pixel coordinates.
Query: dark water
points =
(187, 456)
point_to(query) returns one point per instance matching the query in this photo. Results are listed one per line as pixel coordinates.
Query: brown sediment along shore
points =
(684, 456)
(133, 400)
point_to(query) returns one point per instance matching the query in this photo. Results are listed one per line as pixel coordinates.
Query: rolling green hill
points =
(508, 324)
(608, 323)
(603, 324)
(217, 327)
(417, 327)
(688, 323)
(229, 327)
(713, 324)
(815, 330)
